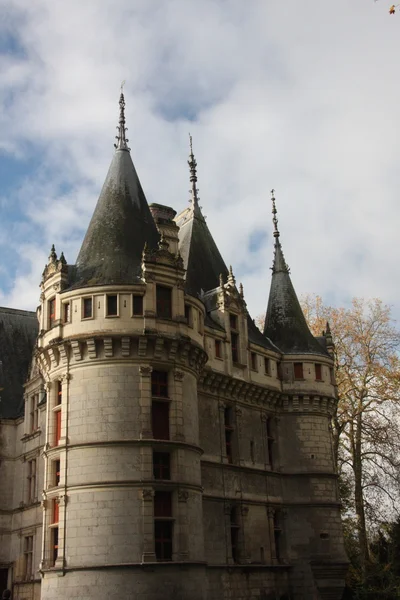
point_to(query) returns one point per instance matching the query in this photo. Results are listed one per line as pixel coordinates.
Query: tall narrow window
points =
(54, 544)
(234, 534)
(57, 416)
(56, 512)
(318, 372)
(87, 308)
(164, 302)
(52, 312)
(57, 471)
(267, 366)
(161, 465)
(59, 392)
(298, 370)
(160, 420)
(233, 321)
(163, 525)
(253, 357)
(34, 413)
(277, 536)
(31, 480)
(218, 349)
(188, 315)
(66, 312)
(137, 306)
(28, 556)
(112, 305)
(159, 384)
(235, 347)
(270, 442)
(228, 433)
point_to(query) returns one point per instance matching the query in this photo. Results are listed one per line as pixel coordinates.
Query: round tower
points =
(123, 497)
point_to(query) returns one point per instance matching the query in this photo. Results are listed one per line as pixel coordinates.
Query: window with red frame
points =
(52, 312)
(56, 512)
(160, 420)
(164, 302)
(58, 427)
(159, 384)
(218, 350)
(298, 370)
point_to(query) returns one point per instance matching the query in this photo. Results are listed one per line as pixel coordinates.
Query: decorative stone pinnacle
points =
(241, 289)
(328, 328)
(122, 140)
(274, 213)
(231, 278)
(62, 259)
(53, 254)
(221, 280)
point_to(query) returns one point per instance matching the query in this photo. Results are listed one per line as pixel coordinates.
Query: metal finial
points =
(122, 140)
(274, 213)
(193, 179)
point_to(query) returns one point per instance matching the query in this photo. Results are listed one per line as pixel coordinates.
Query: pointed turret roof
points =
(201, 257)
(285, 323)
(121, 224)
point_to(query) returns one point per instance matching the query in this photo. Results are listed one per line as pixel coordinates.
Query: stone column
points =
(148, 554)
(176, 407)
(183, 534)
(145, 401)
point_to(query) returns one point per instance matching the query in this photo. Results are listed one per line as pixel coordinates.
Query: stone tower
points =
(186, 455)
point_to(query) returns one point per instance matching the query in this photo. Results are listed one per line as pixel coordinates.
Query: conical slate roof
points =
(121, 224)
(201, 257)
(285, 324)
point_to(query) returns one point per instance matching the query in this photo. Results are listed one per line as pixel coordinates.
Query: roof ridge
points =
(8, 310)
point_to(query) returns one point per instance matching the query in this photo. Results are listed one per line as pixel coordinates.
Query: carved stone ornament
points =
(178, 375)
(145, 371)
(147, 495)
(244, 510)
(183, 495)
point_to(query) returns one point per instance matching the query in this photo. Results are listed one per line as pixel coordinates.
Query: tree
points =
(365, 427)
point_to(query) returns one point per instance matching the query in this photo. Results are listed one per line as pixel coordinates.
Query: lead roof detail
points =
(121, 224)
(201, 257)
(285, 323)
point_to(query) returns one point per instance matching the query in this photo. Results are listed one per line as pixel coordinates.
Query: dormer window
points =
(164, 302)
(318, 372)
(233, 320)
(112, 305)
(87, 308)
(298, 371)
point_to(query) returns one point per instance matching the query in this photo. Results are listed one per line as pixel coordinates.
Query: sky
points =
(301, 96)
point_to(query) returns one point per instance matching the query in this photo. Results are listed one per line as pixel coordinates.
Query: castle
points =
(154, 444)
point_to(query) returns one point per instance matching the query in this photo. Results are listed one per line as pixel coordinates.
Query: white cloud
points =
(299, 96)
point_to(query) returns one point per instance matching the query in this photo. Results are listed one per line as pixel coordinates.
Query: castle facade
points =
(161, 446)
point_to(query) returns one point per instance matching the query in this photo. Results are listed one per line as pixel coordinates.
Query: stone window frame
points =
(32, 480)
(106, 307)
(318, 372)
(83, 299)
(164, 519)
(298, 371)
(28, 556)
(254, 361)
(51, 312)
(66, 312)
(133, 313)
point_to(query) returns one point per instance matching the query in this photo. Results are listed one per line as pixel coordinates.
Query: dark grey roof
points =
(18, 332)
(201, 257)
(121, 225)
(256, 337)
(285, 323)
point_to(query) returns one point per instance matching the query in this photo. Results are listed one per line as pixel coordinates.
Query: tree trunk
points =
(358, 493)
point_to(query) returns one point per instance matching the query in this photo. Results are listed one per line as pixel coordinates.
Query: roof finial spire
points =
(193, 178)
(122, 140)
(274, 213)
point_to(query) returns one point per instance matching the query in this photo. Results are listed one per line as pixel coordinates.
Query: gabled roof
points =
(201, 257)
(121, 224)
(285, 323)
(18, 332)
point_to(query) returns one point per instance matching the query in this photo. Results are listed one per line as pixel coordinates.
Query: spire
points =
(194, 200)
(111, 252)
(285, 324)
(122, 140)
(279, 263)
